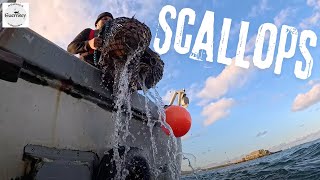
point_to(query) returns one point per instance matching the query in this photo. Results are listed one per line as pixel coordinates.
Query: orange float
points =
(179, 120)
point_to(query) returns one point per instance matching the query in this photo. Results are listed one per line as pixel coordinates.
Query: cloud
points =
(167, 97)
(259, 9)
(217, 110)
(311, 21)
(216, 87)
(278, 21)
(314, 18)
(192, 92)
(231, 76)
(314, 3)
(172, 74)
(251, 44)
(60, 21)
(260, 134)
(303, 101)
(313, 82)
(139, 8)
(235, 29)
(282, 16)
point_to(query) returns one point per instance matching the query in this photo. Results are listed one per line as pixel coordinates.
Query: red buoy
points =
(179, 120)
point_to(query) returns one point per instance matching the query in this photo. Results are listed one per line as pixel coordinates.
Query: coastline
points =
(183, 173)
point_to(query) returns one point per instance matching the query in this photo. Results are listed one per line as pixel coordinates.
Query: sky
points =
(234, 110)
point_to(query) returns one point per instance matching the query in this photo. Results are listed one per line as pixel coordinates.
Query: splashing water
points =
(150, 124)
(123, 116)
(184, 157)
(122, 99)
(172, 143)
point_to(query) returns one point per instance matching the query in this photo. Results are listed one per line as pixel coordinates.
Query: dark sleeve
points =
(80, 43)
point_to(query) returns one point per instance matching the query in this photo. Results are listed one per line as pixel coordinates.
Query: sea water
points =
(298, 163)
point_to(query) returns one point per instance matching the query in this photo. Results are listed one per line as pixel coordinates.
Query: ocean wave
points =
(298, 163)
